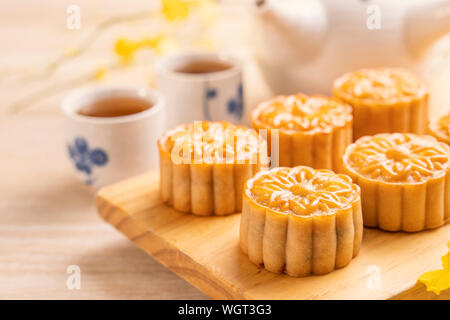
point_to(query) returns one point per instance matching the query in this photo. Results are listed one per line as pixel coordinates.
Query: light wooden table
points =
(47, 218)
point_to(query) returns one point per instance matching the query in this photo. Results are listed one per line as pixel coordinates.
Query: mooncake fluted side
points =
(409, 207)
(320, 150)
(205, 189)
(300, 245)
(371, 117)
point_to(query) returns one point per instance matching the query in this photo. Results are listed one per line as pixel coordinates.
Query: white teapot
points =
(303, 45)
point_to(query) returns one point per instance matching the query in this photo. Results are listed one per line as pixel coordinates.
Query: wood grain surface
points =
(48, 219)
(205, 251)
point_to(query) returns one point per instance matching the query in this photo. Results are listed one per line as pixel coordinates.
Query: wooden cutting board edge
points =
(203, 278)
(165, 253)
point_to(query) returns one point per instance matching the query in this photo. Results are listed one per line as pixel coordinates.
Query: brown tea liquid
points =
(203, 66)
(114, 107)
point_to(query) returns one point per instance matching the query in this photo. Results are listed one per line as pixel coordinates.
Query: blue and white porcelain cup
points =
(201, 96)
(104, 150)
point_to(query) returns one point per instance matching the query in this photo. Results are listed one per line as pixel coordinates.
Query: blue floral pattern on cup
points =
(85, 159)
(210, 93)
(236, 104)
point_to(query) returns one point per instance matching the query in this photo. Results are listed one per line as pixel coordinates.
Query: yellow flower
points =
(151, 43)
(438, 280)
(126, 48)
(100, 73)
(175, 9)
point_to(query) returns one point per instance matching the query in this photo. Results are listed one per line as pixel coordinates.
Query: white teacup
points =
(201, 96)
(107, 149)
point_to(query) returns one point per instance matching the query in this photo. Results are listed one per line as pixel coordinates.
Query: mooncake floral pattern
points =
(213, 142)
(303, 113)
(85, 159)
(382, 83)
(303, 190)
(398, 157)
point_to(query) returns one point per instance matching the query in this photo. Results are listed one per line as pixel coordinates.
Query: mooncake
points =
(204, 166)
(440, 128)
(384, 100)
(312, 131)
(404, 180)
(301, 221)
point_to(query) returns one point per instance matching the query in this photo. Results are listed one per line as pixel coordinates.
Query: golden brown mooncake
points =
(404, 180)
(313, 131)
(204, 166)
(301, 221)
(384, 100)
(440, 128)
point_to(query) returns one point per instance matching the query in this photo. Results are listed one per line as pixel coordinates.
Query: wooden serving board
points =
(205, 252)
